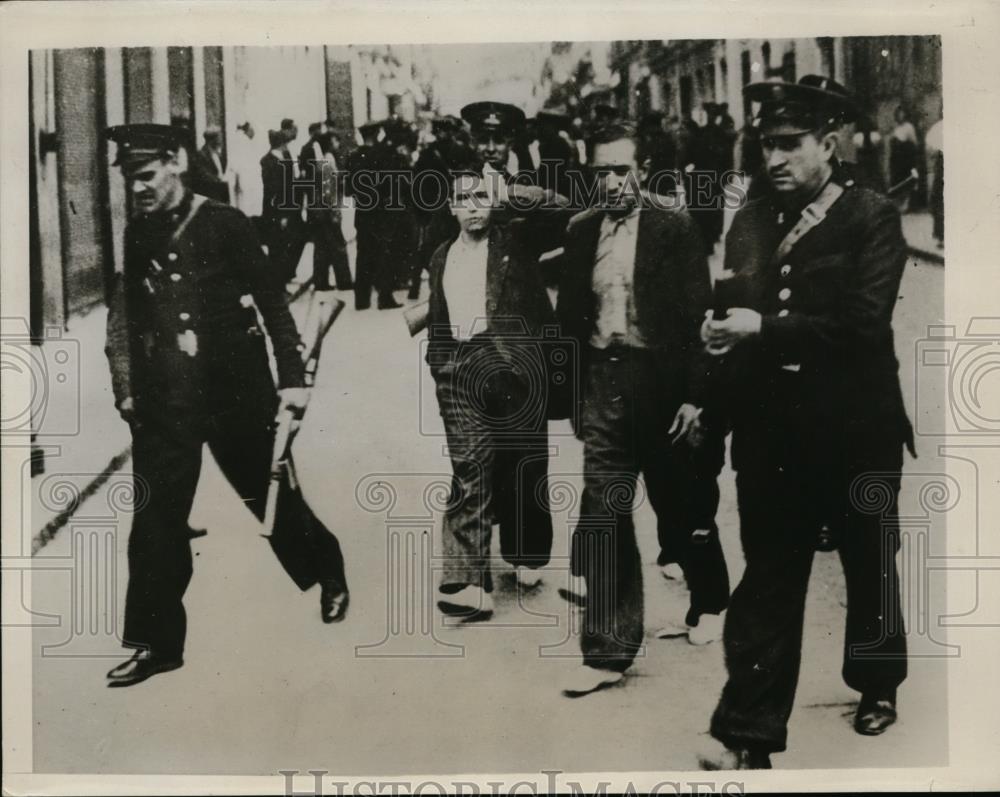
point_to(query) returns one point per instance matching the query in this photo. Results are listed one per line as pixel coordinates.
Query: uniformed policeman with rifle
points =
(190, 366)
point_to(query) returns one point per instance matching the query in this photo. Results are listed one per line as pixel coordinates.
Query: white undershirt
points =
(464, 286)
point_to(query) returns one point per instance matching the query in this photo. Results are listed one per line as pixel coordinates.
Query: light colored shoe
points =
(470, 603)
(672, 572)
(527, 578)
(722, 759)
(673, 629)
(576, 592)
(582, 680)
(709, 629)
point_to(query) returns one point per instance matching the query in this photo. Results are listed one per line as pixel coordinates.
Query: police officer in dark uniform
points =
(494, 127)
(189, 366)
(818, 420)
(402, 235)
(432, 181)
(373, 222)
(362, 161)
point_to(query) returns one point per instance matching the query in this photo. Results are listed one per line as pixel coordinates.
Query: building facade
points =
(77, 200)
(883, 72)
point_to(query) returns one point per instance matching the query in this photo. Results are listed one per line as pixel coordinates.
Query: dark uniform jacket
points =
(821, 380)
(518, 310)
(279, 196)
(369, 183)
(671, 287)
(309, 165)
(182, 333)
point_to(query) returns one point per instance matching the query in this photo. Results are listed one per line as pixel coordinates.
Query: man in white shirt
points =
(635, 284)
(490, 324)
(244, 163)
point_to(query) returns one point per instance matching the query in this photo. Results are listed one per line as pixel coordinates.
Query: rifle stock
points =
(327, 311)
(416, 317)
(902, 185)
(282, 441)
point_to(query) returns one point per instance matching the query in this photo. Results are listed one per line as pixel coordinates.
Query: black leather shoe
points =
(141, 666)
(876, 712)
(388, 304)
(333, 602)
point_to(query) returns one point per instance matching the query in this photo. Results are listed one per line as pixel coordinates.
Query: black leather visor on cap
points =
(795, 108)
(143, 142)
(788, 119)
(493, 117)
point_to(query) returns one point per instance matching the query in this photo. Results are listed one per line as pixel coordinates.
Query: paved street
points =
(268, 686)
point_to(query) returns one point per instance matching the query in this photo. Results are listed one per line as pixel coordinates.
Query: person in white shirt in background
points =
(934, 144)
(246, 187)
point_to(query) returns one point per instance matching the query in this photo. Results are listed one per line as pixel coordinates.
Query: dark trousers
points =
(167, 454)
(404, 243)
(434, 229)
(694, 508)
(779, 516)
(937, 197)
(426, 244)
(284, 245)
(422, 259)
(627, 409)
(373, 268)
(329, 251)
(500, 462)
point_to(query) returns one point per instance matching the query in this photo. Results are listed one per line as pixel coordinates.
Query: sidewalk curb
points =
(52, 528)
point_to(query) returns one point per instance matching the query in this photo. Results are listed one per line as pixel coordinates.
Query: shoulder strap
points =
(812, 215)
(196, 202)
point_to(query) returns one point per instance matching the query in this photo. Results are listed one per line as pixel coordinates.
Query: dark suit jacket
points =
(205, 178)
(307, 155)
(671, 285)
(827, 309)
(206, 155)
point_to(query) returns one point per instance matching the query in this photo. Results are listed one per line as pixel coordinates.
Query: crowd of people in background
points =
(394, 251)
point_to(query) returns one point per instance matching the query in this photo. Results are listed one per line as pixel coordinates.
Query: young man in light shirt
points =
(487, 320)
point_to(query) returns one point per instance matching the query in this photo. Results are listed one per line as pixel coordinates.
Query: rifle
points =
(902, 185)
(415, 317)
(279, 457)
(323, 311)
